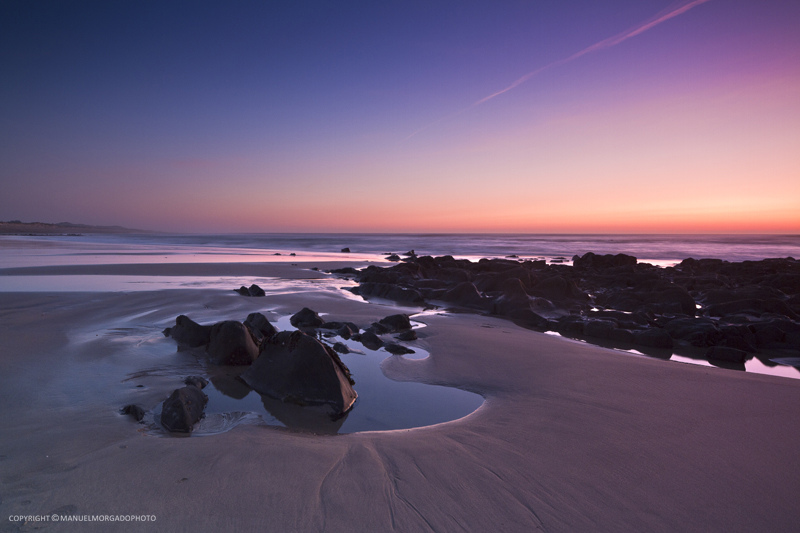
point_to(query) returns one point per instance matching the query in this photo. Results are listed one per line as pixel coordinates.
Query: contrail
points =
(657, 19)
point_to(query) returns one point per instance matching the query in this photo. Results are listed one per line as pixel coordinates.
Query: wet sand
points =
(572, 437)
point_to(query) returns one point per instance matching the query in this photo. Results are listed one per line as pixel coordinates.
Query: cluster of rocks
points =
(252, 290)
(296, 366)
(727, 309)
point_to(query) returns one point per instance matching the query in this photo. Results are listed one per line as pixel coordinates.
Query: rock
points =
(653, 338)
(345, 250)
(753, 307)
(570, 326)
(590, 260)
(395, 323)
(409, 335)
(231, 344)
(255, 290)
(306, 318)
(600, 329)
(622, 336)
(397, 349)
(725, 353)
(133, 410)
(188, 333)
(343, 329)
(389, 291)
(696, 331)
(528, 318)
(370, 340)
(196, 381)
(183, 409)
(341, 347)
(297, 368)
(465, 294)
(393, 257)
(260, 328)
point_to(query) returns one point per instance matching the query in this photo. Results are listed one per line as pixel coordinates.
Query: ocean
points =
(662, 250)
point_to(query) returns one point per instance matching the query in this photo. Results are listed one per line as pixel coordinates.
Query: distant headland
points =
(17, 227)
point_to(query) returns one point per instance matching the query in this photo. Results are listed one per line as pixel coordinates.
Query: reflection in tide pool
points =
(382, 404)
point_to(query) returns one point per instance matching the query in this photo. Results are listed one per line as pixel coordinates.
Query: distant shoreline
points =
(16, 227)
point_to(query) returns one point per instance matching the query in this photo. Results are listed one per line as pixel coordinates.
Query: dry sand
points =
(572, 437)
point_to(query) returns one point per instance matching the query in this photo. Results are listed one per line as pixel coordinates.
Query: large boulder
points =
(231, 344)
(188, 333)
(297, 368)
(183, 409)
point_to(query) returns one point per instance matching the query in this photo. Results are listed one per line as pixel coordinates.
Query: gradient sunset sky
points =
(431, 116)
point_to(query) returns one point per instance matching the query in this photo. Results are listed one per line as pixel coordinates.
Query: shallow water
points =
(382, 404)
(16, 251)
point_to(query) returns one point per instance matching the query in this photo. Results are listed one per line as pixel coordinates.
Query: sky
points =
(540, 116)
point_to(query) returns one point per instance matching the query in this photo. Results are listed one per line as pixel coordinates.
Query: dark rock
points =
(183, 409)
(306, 318)
(297, 368)
(738, 336)
(345, 250)
(243, 291)
(370, 340)
(465, 294)
(570, 326)
(395, 323)
(341, 347)
(696, 331)
(133, 410)
(725, 353)
(389, 291)
(622, 336)
(752, 306)
(196, 381)
(601, 329)
(409, 335)
(260, 328)
(393, 257)
(653, 338)
(255, 290)
(231, 344)
(769, 335)
(397, 349)
(590, 260)
(188, 333)
(528, 319)
(343, 329)
(346, 270)
(557, 288)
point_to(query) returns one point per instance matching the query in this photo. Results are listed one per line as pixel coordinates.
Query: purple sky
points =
(537, 116)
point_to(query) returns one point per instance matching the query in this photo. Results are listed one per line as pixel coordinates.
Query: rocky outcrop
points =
(752, 305)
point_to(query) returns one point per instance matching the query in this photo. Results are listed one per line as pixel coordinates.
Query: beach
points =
(570, 437)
